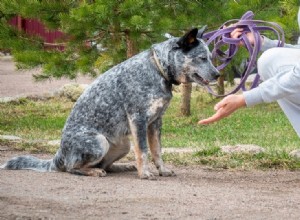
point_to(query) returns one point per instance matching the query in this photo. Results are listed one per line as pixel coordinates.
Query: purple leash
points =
(221, 37)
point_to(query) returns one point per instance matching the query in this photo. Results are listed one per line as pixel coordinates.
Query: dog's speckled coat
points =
(128, 99)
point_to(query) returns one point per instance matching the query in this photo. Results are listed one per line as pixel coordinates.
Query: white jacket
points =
(276, 87)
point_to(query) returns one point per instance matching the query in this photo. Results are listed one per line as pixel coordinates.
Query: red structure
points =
(36, 28)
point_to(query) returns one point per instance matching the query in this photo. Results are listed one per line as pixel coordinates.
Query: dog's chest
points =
(156, 107)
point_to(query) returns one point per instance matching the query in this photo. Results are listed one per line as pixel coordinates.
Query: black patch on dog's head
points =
(189, 40)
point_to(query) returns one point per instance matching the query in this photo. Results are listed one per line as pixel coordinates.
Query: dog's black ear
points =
(189, 40)
(201, 31)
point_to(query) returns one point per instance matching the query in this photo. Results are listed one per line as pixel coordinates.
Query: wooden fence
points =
(36, 28)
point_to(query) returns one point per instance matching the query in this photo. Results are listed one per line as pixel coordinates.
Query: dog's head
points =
(187, 59)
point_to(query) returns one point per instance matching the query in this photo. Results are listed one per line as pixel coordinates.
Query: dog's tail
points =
(29, 163)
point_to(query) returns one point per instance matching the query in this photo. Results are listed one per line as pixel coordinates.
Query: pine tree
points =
(121, 28)
(118, 29)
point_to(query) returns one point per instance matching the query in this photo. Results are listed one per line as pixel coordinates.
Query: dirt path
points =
(17, 83)
(195, 193)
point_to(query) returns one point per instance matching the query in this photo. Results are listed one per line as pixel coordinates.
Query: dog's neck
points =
(169, 77)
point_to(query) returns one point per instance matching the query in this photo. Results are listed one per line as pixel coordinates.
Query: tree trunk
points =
(221, 88)
(130, 44)
(186, 93)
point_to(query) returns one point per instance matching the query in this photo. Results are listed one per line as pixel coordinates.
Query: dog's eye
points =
(203, 58)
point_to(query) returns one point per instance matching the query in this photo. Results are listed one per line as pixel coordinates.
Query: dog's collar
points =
(159, 66)
(167, 75)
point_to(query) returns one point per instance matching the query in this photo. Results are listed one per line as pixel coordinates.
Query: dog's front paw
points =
(166, 172)
(147, 175)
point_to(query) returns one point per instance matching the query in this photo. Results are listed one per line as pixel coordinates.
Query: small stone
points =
(2, 148)
(240, 148)
(54, 143)
(8, 99)
(71, 91)
(10, 138)
(295, 154)
(178, 150)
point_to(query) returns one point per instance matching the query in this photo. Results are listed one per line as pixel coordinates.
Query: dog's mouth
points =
(198, 79)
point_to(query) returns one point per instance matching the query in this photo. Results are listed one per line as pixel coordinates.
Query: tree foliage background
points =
(121, 28)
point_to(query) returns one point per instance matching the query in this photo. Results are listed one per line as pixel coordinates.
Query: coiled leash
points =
(221, 37)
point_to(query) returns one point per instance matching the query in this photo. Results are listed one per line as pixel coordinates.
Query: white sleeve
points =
(275, 88)
(268, 43)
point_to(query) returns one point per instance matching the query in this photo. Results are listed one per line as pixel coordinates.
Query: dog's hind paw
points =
(98, 172)
(89, 172)
(116, 168)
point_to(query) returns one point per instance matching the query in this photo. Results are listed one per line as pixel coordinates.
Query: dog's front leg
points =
(138, 129)
(154, 134)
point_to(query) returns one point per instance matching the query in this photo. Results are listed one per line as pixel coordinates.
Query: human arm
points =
(280, 85)
(268, 43)
(275, 88)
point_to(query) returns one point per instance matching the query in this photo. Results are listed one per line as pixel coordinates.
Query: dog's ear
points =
(201, 31)
(189, 40)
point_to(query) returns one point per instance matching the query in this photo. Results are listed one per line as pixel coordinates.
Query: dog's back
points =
(127, 88)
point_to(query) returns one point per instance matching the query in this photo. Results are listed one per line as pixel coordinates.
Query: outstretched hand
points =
(225, 108)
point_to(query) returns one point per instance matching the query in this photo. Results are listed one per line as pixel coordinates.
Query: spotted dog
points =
(129, 99)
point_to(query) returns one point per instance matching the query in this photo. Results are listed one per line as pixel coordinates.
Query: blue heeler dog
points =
(129, 99)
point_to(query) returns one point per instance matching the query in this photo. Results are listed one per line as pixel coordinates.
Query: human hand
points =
(237, 32)
(225, 108)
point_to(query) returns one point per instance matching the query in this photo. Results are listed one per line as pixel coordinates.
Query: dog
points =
(128, 99)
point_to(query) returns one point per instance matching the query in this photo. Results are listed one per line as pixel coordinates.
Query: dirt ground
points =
(197, 192)
(19, 83)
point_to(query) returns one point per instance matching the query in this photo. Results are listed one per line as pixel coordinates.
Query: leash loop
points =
(220, 38)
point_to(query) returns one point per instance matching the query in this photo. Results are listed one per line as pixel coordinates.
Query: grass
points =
(34, 120)
(263, 125)
(216, 159)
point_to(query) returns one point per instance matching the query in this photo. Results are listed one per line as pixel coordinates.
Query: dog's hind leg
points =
(154, 134)
(88, 149)
(116, 152)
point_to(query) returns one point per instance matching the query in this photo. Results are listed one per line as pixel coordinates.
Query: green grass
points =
(263, 125)
(34, 120)
(213, 157)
